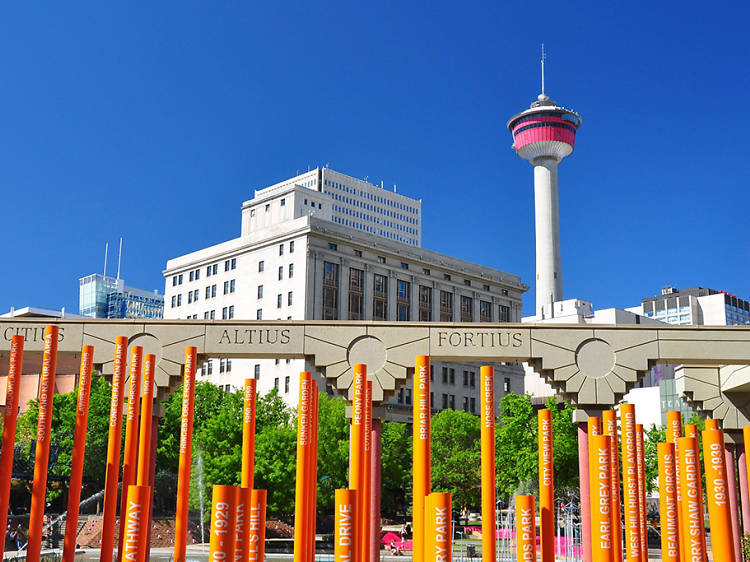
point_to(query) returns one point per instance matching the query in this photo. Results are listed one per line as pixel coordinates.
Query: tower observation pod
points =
(544, 134)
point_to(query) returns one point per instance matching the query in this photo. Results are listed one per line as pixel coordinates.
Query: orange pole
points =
(525, 529)
(692, 500)
(630, 483)
(241, 534)
(609, 428)
(438, 529)
(39, 491)
(304, 471)
(135, 523)
(144, 444)
(312, 519)
(489, 493)
(642, 515)
(186, 449)
(113, 451)
(691, 430)
(421, 473)
(364, 503)
(345, 533)
(130, 451)
(356, 460)
(602, 534)
(674, 432)
(595, 426)
(717, 495)
(224, 505)
(257, 527)
(711, 424)
(546, 488)
(10, 418)
(248, 433)
(746, 468)
(668, 506)
(79, 448)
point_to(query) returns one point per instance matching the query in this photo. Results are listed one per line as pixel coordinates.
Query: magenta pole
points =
(744, 491)
(733, 508)
(583, 476)
(376, 451)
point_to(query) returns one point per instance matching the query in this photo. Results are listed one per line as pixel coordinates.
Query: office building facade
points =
(293, 262)
(100, 296)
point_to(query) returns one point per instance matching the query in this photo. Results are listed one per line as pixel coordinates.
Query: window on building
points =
(257, 371)
(215, 269)
(445, 401)
(467, 309)
(278, 301)
(222, 365)
(268, 207)
(505, 292)
(192, 275)
(289, 298)
(472, 379)
(358, 253)
(224, 313)
(179, 300)
(213, 315)
(174, 281)
(283, 202)
(452, 402)
(330, 291)
(208, 271)
(381, 259)
(356, 294)
(234, 263)
(208, 292)
(408, 396)
(226, 265)
(446, 306)
(174, 301)
(504, 313)
(276, 383)
(259, 314)
(403, 296)
(291, 271)
(281, 249)
(380, 298)
(466, 404)
(209, 367)
(473, 405)
(467, 282)
(261, 266)
(281, 272)
(445, 375)
(452, 376)
(425, 303)
(332, 246)
(446, 277)
(226, 287)
(190, 297)
(205, 315)
(506, 385)
(291, 247)
(485, 311)
(231, 312)
(179, 279)
(404, 265)
(231, 286)
(260, 291)
(286, 384)
(213, 291)
(466, 378)
(432, 372)
(425, 271)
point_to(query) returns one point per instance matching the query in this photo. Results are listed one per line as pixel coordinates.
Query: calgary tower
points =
(544, 134)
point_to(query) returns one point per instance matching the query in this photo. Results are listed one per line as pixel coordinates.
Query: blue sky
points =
(154, 123)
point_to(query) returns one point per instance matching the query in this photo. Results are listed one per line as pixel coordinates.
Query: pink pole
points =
(583, 475)
(376, 452)
(733, 509)
(744, 495)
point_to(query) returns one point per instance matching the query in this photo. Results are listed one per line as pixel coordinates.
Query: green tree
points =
(516, 462)
(333, 450)
(456, 456)
(63, 420)
(651, 439)
(397, 463)
(564, 446)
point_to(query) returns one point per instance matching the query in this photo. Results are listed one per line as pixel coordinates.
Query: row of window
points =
(379, 231)
(406, 310)
(212, 269)
(192, 296)
(371, 197)
(373, 219)
(448, 400)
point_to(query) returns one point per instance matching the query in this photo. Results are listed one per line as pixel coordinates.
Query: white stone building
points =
(305, 253)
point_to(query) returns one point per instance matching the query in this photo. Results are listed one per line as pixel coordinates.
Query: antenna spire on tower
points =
(544, 56)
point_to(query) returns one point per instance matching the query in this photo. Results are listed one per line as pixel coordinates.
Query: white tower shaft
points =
(547, 224)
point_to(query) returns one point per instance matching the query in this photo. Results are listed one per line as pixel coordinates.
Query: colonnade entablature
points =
(593, 367)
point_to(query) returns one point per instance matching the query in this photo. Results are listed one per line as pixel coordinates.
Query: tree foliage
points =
(456, 456)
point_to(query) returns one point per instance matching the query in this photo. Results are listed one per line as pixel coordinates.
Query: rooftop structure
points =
(108, 297)
(697, 305)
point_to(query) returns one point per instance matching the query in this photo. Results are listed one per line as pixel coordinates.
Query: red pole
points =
(421, 473)
(583, 475)
(39, 491)
(113, 451)
(304, 471)
(10, 418)
(375, 484)
(487, 441)
(79, 449)
(733, 507)
(186, 449)
(744, 488)
(130, 452)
